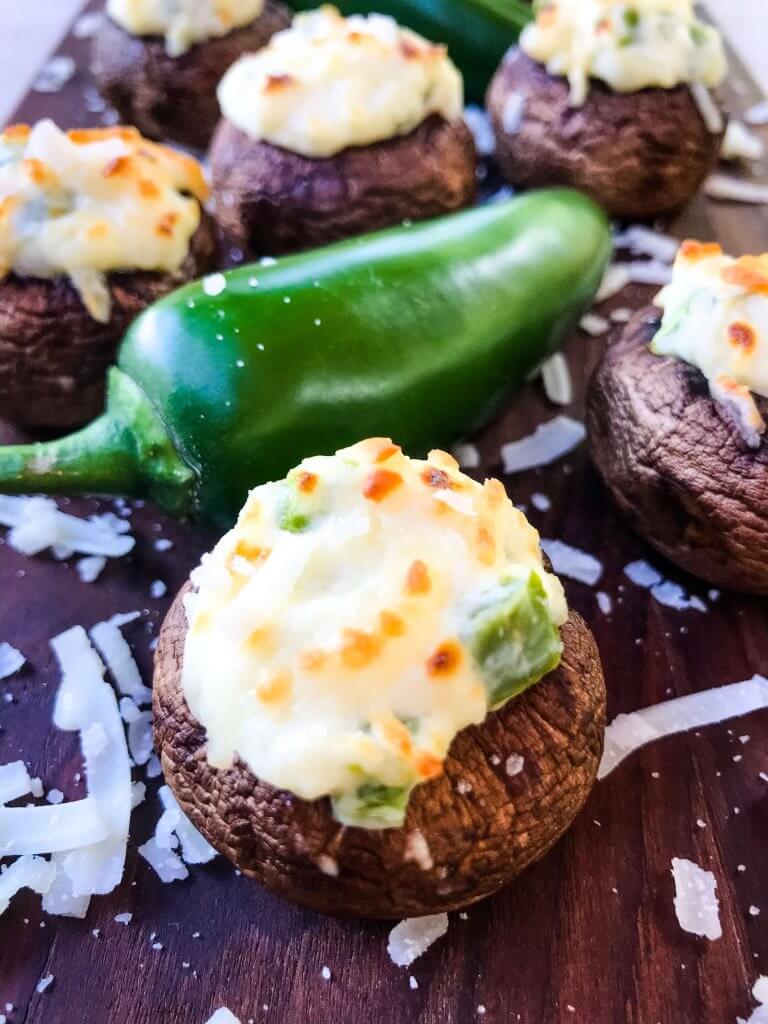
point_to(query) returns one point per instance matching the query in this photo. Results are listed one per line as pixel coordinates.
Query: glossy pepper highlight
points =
(477, 32)
(419, 333)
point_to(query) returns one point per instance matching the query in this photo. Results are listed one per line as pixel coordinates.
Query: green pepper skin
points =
(418, 333)
(415, 333)
(477, 32)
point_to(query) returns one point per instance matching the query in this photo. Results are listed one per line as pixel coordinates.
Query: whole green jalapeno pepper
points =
(477, 32)
(417, 332)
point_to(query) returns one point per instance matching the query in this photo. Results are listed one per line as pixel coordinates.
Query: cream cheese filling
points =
(628, 45)
(327, 642)
(716, 318)
(183, 23)
(84, 203)
(327, 83)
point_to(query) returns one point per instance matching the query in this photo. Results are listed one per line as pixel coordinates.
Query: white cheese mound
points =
(11, 660)
(34, 873)
(120, 661)
(556, 377)
(336, 689)
(736, 190)
(549, 442)
(380, 81)
(696, 904)
(14, 781)
(628, 733)
(37, 524)
(572, 562)
(412, 937)
(223, 1016)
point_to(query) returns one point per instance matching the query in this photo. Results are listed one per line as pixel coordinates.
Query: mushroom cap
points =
(271, 200)
(174, 97)
(640, 155)
(467, 833)
(676, 463)
(54, 356)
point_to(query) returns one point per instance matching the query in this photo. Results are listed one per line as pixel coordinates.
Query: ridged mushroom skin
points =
(480, 825)
(676, 463)
(270, 200)
(174, 97)
(640, 155)
(54, 356)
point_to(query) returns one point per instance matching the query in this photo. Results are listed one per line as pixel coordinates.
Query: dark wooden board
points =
(587, 936)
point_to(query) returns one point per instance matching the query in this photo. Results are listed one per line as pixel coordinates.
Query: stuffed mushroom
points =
(372, 697)
(337, 127)
(676, 419)
(159, 63)
(94, 226)
(612, 98)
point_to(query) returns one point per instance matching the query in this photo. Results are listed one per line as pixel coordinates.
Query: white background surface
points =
(30, 30)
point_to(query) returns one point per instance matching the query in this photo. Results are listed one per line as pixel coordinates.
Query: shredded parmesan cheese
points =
(14, 781)
(37, 524)
(413, 937)
(11, 660)
(549, 442)
(628, 733)
(696, 904)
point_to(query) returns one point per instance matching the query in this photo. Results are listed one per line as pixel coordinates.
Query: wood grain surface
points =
(587, 936)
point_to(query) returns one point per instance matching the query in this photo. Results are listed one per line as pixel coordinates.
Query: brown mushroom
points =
(270, 200)
(174, 97)
(676, 463)
(640, 155)
(468, 832)
(53, 354)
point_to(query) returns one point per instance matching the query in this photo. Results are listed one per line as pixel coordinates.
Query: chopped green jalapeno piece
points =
(513, 639)
(372, 806)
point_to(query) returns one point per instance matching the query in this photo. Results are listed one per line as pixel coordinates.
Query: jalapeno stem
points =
(125, 451)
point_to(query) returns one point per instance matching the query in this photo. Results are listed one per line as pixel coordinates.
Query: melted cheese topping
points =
(334, 655)
(183, 22)
(92, 201)
(329, 82)
(629, 46)
(716, 318)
